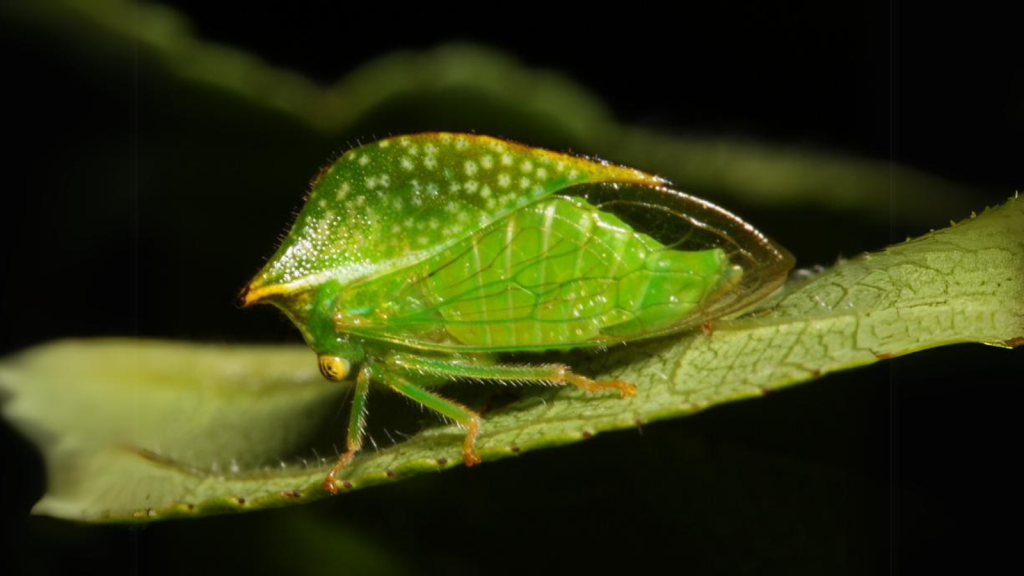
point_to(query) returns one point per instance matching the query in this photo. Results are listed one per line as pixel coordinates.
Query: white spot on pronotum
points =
(432, 190)
(506, 159)
(343, 191)
(430, 162)
(471, 168)
(524, 182)
(487, 162)
(485, 192)
(526, 166)
(364, 160)
(384, 143)
(504, 180)
(574, 173)
(471, 186)
(407, 163)
(323, 228)
(542, 173)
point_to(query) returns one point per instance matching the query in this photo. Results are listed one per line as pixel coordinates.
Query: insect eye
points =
(334, 367)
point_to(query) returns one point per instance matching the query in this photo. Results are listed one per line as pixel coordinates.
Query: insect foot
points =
(469, 456)
(330, 483)
(626, 389)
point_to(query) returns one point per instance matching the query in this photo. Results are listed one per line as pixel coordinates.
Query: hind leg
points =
(479, 370)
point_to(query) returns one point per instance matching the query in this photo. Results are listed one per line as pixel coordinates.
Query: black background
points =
(899, 467)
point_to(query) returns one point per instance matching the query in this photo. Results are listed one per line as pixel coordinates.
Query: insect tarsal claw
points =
(330, 484)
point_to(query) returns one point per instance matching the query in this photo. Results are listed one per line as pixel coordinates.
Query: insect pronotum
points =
(419, 259)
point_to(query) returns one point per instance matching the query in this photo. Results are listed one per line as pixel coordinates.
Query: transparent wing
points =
(685, 222)
(608, 264)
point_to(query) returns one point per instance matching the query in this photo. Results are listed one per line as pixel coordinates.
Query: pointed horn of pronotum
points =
(247, 297)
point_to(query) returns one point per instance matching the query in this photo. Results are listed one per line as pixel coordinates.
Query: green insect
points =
(419, 259)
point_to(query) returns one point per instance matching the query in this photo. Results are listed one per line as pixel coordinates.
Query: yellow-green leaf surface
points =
(147, 430)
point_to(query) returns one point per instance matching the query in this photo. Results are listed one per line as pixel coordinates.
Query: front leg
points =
(356, 429)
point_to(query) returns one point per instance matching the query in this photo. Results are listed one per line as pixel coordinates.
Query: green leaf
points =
(141, 430)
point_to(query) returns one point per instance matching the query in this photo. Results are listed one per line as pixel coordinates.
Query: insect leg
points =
(449, 408)
(549, 373)
(356, 428)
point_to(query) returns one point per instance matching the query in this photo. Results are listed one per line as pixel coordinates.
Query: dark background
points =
(900, 467)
